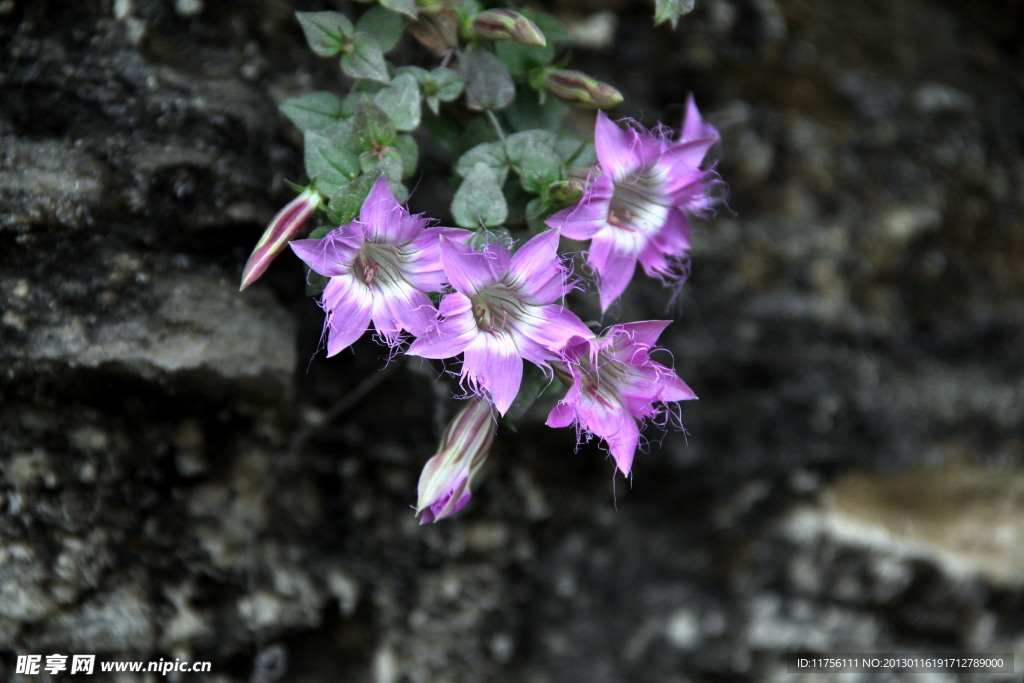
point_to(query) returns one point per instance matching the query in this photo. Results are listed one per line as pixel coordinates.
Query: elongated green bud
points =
(579, 88)
(504, 24)
(444, 483)
(282, 229)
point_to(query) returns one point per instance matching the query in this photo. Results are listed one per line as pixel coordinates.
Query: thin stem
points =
(346, 403)
(299, 439)
(497, 126)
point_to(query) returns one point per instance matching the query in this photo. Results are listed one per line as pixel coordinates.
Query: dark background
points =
(851, 478)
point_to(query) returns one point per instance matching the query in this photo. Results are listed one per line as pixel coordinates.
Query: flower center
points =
(493, 308)
(637, 203)
(602, 391)
(378, 262)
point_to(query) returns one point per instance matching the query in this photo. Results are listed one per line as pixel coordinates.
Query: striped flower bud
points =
(444, 484)
(283, 228)
(504, 24)
(579, 88)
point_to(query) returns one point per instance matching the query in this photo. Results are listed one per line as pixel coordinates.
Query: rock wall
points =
(178, 479)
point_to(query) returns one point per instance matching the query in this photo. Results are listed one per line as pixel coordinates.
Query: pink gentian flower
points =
(502, 311)
(615, 386)
(380, 267)
(635, 208)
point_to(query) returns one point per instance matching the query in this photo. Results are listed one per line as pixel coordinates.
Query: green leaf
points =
(479, 201)
(410, 153)
(441, 85)
(492, 154)
(517, 143)
(345, 204)
(313, 111)
(532, 154)
(539, 166)
(671, 10)
(575, 152)
(449, 83)
(371, 126)
(387, 161)
(401, 102)
(351, 101)
(406, 7)
(384, 25)
(528, 113)
(484, 236)
(365, 59)
(320, 233)
(326, 32)
(331, 161)
(418, 72)
(537, 210)
(488, 83)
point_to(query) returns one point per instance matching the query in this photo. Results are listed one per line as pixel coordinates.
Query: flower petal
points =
(333, 254)
(616, 148)
(422, 257)
(470, 270)
(562, 415)
(537, 272)
(694, 126)
(627, 340)
(399, 306)
(492, 362)
(449, 336)
(613, 256)
(663, 255)
(590, 214)
(686, 156)
(347, 302)
(552, 326)
(382, 217)
(622, 435)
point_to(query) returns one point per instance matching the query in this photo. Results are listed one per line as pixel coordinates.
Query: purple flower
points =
(444, 483)
(380, 267)
(615, 386)
(501, 312)
(281, 228)
(635, 208)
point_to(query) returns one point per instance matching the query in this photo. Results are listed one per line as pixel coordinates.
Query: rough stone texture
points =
(851, 479)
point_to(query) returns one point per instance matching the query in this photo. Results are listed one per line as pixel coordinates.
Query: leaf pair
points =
(362, 53)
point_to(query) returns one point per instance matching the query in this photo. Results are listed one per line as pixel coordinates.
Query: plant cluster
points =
(492, 290)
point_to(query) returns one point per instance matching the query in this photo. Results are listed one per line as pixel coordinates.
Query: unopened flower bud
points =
(579, 88)
(444, 484)
(436, 28)
(565, 192)
(504, 24)
(282, 229)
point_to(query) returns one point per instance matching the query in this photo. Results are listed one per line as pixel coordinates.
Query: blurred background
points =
(172, 483)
